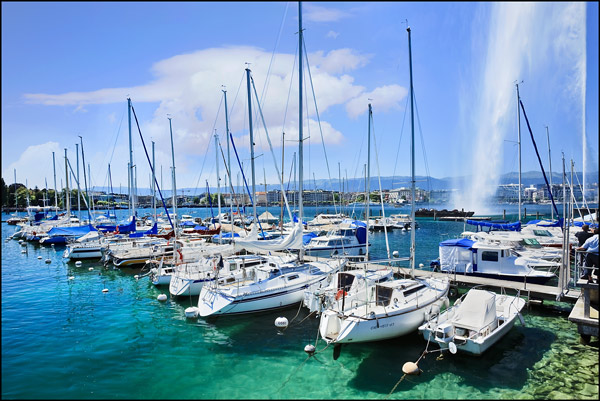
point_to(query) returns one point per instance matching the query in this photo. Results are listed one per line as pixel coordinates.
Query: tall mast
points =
(131, 195)
(228, 163)
(218, 186)
(550, 162)
(251, 147)
(67, 194)
(16, 198)
(368, 183)
(282, 178)
(300, 143)
(78, 193)
(90, 204)
(55, 189)
(153, 183)
(174, 197)
(519, 144)
(412, 162)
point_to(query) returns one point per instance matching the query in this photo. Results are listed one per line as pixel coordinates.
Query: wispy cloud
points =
(323, 14)
(188, 87)
(333, 34)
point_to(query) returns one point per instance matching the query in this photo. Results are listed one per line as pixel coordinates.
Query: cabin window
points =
(413, 290)
(383, 295)
(489, 256)
(542, 233)
(345, 281)
(232, 266)
(295, 276)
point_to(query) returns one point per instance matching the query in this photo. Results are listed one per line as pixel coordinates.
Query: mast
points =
(251, 147)
(174, 196)
(55, 189)
(67, 194)
(90, 204)
(153, 183)
(16, 198)
(218, 187)
(550, 162)
(78, 193)
(131, 195)
(228, 162)
(282, 178)
(412, 162)
(300, 143)
(368, 183)
(519, 144)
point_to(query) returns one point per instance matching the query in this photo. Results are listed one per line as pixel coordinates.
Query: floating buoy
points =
(411, 368)
(162, 297)
(105, 290)
(395, 254)
(23, 243)
(40, 256)
(52, 245)
(191, 312)
(48, 261)
(91, 268)
(78, 263)
(281, 322)
(71, 277)
(446, 302)
(20, 241)
(23, 251)
(421, 265)
(452, 347)
(136, 276)
(310, 349)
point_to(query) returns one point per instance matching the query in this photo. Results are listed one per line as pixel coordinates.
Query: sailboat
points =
(386, 309)
(280, 283)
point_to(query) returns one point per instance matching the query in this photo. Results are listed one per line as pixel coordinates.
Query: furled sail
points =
(253, 244)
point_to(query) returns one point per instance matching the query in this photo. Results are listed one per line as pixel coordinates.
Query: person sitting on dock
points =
(591, 259)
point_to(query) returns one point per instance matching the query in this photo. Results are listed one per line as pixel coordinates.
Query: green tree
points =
(4, 189)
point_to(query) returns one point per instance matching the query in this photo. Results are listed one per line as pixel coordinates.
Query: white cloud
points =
(36, 161)
(333, 34)
(322, 14)
(382, 99)
(188, 87)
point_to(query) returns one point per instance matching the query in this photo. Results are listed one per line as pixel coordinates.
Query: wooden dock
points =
(585, 311)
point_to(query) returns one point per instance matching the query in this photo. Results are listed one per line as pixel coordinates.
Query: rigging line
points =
(318, 117)
(422, 144)
(400, 140)
(271, 147)
(236, 96)
(262, 95)
(151, 168)
(233, 193)
(584, 201)
(387, 244)
(115, 142)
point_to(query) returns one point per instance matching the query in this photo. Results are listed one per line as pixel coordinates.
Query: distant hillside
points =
(357, 185)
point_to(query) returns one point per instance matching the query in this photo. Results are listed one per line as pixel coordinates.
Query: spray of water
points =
(520, 40)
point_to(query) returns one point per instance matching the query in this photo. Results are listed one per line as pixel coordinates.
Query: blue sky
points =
(67, 69)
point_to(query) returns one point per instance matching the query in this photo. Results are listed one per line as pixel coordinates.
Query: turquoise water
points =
(65, 338)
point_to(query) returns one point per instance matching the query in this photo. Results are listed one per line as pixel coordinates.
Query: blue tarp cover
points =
(462, 242)
(71, 231)
(307, 237)
(199, 227)
(546, 223)
(187, 223)
(508, 227)
(225, 235)
(153, 230)
(123, 229)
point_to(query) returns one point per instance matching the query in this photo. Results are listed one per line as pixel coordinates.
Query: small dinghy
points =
(476, 321)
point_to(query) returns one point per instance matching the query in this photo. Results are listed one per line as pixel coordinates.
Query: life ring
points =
(340, 294)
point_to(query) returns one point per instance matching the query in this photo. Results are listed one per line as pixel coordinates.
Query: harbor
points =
(126, 331)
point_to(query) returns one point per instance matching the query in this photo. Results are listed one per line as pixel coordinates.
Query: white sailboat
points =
(281, 283)
(389, 309)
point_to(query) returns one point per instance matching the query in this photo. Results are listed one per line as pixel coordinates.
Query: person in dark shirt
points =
(584, 234)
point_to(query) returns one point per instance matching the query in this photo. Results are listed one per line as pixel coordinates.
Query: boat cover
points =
(76, 231)
(251, 243)
(477, 310)
(498, 226)
(123, 229)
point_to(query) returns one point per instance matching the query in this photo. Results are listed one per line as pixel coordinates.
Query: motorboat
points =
(482, 259)
(348, 239)
(476, 321)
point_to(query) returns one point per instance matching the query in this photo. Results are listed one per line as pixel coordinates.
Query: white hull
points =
(354, 329)
(83, 253)
(186, 287)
